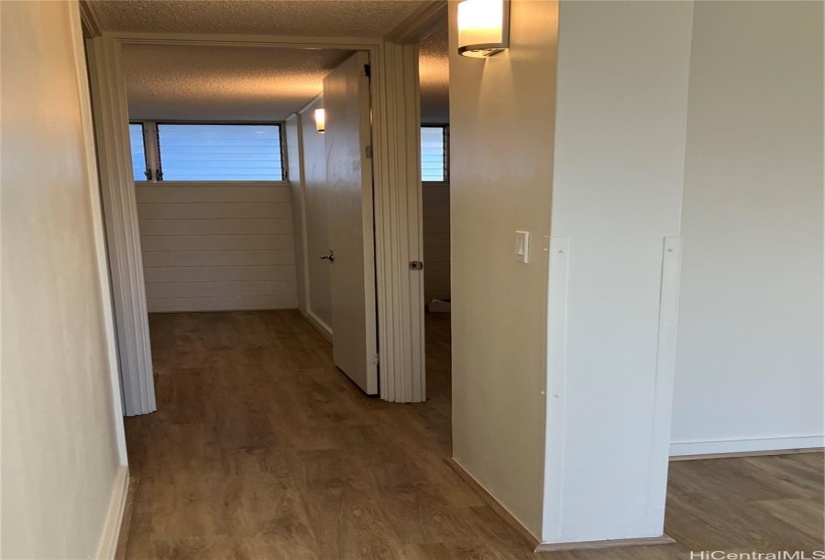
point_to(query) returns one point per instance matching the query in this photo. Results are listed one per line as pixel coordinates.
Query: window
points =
(138, 151)
(434, 153)
(208, 152)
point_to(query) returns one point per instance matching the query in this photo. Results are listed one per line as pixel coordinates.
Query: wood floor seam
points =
(261, 449)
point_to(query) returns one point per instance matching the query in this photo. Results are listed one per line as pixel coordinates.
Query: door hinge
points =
(368, 151)
(367, 71)
(375, 359)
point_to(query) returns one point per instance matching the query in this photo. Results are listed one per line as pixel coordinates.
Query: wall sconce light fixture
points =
(483, 27)
(320, 120)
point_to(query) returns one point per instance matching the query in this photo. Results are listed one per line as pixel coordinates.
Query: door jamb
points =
(82, 30)
(137, 387)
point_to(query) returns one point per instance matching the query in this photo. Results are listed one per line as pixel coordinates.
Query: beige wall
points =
(749, 367)
(60, 448)
(498, 312)
(215, 248)
(316, 213)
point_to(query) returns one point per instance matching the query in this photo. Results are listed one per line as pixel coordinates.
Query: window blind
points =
(433, 154)
(220, 152)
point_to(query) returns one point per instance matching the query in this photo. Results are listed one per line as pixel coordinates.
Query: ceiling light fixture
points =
(320, 120)
(483, 27)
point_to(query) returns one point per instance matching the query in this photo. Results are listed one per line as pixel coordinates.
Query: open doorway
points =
(213, 184)
(223, 242)
(213, 187)
(386, 146)
(435, 191)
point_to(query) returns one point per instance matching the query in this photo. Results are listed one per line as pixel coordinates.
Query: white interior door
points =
(351, 222)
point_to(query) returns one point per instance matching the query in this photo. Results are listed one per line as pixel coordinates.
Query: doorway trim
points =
(398, 206)
(108, 96)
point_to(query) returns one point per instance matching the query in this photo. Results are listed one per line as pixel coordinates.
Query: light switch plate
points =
(522, 246)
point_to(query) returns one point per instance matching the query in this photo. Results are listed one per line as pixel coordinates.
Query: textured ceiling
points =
(252, 84)
(434, 71)
(167, 82)
(327, 18)
(223, 83)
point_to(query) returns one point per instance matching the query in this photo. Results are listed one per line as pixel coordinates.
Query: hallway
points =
(260, 449)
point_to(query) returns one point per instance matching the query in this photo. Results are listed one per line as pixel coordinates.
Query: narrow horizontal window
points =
(220, 152)
(138, 151)
(433, 153)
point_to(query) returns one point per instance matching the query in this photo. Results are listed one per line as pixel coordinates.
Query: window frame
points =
(445, 131)
(146, 171)
(154, 161)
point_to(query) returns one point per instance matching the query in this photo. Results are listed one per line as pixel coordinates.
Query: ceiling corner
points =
(89, 19)
(419, 24)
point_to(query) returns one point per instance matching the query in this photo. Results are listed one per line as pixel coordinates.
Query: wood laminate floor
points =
(261, 449)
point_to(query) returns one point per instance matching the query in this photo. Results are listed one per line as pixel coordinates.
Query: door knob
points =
(329, 256)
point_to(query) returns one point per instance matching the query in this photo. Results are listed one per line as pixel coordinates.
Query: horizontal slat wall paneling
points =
(436, 192)
(219, 273)
(436, 240)
(219, 289)
(438, 284)
(436, 210)
(215, 227)
(438, 255)
(171, 305)
(209, 193)
(216, 210)
(218, 258)
(438, 225)
(438, 269)
(216, 242)
(213, 247)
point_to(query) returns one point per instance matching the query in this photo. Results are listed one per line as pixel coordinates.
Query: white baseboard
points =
(319, 325)
(114, 516)
(742, 446)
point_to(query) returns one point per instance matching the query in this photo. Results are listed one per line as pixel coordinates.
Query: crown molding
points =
(91, 24)
(420, 23)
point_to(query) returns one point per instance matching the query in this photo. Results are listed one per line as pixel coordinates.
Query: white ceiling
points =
(223, 83)
(328, 18)
(170, 82)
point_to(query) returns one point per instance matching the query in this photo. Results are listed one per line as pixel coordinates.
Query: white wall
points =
(316, 195)
(213, 248)
(294, 149)
(436, 197)
(60, 428)
(617, 188)
(498, 313)
(749, 367)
